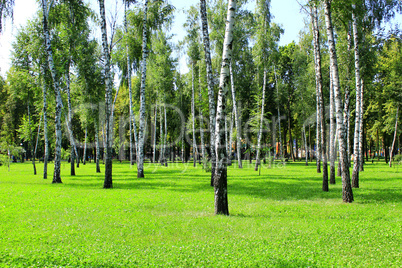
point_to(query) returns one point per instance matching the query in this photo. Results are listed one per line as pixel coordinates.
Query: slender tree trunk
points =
(356, 153)
(37, 142)
(220, 180)
(84, 158)
(46, 156)
(59, 104)
(230, 142)
(161, 154)
(193, 114)
(201, 115)
(31, 141)
(305, 144)
(165, 141)
(320, 97)
(69, 126)
(108, 183)
(154, 138)
(361, 155)
(97, 147)
(290, 134)
(257, 159)
(279, 118)
(140, 160)
(237, 119)
(391, 155)
(210, 82)
(347, 194)
(332, 131)
(131, 114)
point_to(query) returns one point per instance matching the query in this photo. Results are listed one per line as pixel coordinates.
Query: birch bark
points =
(237, 119)
(108, 183)
(140, 160)
(46, 157)
(220, 179)
(356, 152)
(320, 97)
(347, 194)
(257, 159)
(59, 104)
(210, 82)
(395, 134)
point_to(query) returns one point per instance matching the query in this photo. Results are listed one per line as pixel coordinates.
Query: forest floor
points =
(280, 218)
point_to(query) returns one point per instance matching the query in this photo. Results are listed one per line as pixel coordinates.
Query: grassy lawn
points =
(278, 219)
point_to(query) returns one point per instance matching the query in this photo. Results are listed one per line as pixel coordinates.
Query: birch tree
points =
(220, 179)
(347, 193)
(210, 82)
(358, 116)
(320, 96)
(140, 160)
(56, 85)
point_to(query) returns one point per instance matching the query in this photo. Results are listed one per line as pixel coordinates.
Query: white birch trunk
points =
(332, 132)
(230, 141)
(279, 118)
(85, 146)
(395, 134)
(356, 153)
(193, 114)
(46, 156)
(201, 116)
(154, 138)
(108, 183)
(140, 160)
(220, 180)
(166, 156)
(257, 159)
(59, 104)
(68, 121)
(97, 157)
(347, 194)
(361, 156)
(237, 119)
(210, 82)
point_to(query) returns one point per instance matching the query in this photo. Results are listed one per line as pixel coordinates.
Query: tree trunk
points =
(361, 154)
(347, 194)
(332, 133)
(140, 160)
(165, 151)
(31, 141)
(395, 134)
(69, 126)
(154, 136)
(237, 118)
(201, 115)
(279, 118)
(193, 114)
(108, 183)
(210, 82)
(160, 136)
(257, 159)
(97, 146)
(305, 144)
(46, 156)
(356, 153)
(220, 180)
(131, 114)
(320, 98)
(59, 104)
(230, 142)
(84, 158)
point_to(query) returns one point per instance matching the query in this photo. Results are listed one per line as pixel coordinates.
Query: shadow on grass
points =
(288, 183)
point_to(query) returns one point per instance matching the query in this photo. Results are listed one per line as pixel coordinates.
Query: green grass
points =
(278, 219)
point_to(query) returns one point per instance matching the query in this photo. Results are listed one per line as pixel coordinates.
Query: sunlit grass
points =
(280, 218)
